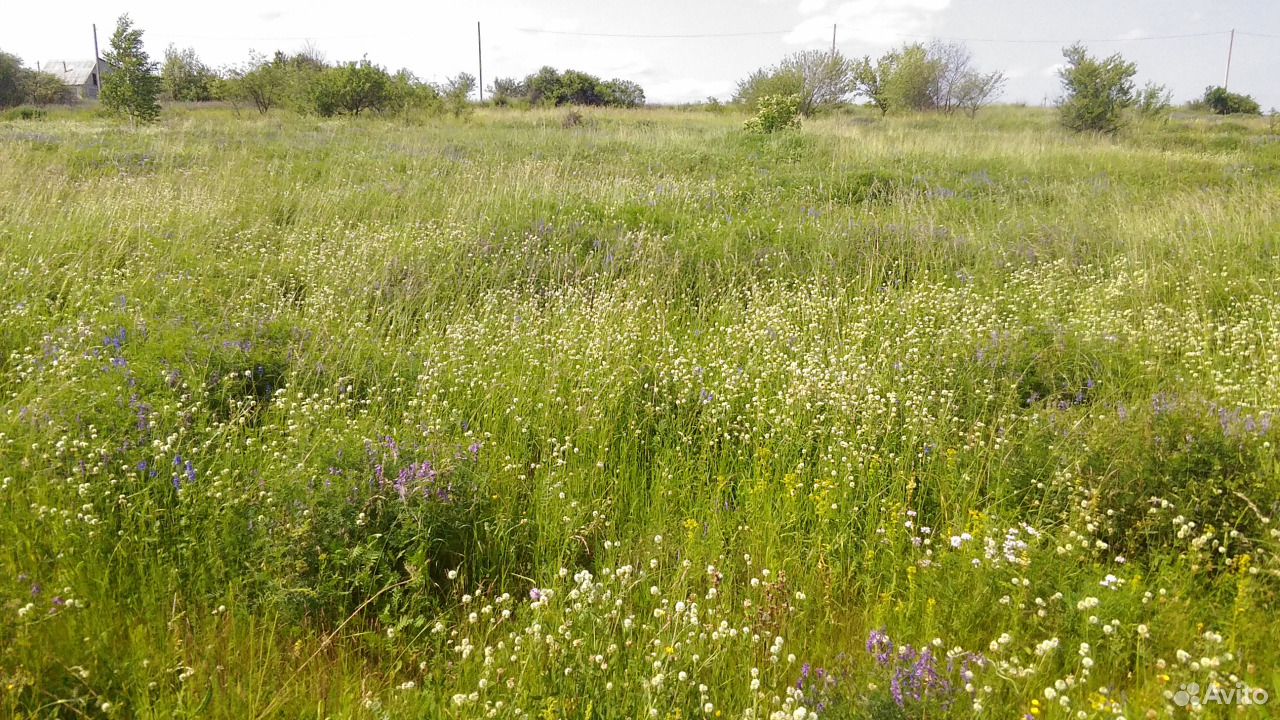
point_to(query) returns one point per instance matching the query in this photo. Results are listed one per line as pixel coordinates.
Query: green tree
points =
(623, 93)
(871, 79)
(349, 89)
(1153, 101)
(184, 77)
(1097, 91)
(42, 88)
(976, 90)
(548, 86)
(917, 77)
(410, 93)
(132, 90)
(505, 91)
(11, 76)
(819, 78)
(1222, 102)
(914, 80)
(461, 85)
(543, 86)
(260, 82)
(456, 92)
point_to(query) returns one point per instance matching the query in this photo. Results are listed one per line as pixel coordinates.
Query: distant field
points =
(648, 417)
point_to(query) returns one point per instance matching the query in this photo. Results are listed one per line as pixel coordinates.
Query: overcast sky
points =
(435, 40)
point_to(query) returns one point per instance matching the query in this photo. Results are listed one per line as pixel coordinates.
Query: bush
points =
(25, 113)
(20, 85)
(819, 78)
(389, 520)
(775, 113)
(409, 93)
(185, 77)
(349, 89)
(913, 80)
(572, 119)
(42, 88)
(1097, 91)
(262, 83)
(457, 93)
(918, 77)
(1222, 102)
(1153, 101)
(548, 86)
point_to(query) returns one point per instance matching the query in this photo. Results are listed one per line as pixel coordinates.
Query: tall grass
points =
(647, 417)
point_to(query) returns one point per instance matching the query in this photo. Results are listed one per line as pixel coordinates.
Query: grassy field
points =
(887, 418)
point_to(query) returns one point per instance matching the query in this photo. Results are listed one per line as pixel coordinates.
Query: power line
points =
(758, 33)
(698, 36)
(1071, 40)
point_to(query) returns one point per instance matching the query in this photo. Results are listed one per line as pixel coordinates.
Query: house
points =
(82, 77)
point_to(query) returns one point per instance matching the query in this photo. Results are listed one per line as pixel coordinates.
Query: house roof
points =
(70, 72)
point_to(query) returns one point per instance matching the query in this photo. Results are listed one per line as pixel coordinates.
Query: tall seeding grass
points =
(648, 417)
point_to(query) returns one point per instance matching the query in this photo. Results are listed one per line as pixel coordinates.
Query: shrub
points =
(185, 77)
(42, 88)
(262, 83)
(819, 78)
(548, 86)
(917, 77)
(457, 93)
(409, 93)
(1153, 101)
(622, 93)
(1097, 91)
(913, 81)
(25, 113)
(1222, 102)
(20, 85)
(349, 89)
(398, 517)
(775, 113)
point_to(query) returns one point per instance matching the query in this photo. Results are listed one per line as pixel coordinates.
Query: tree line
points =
(303, 81)
(915, 77)
(942, 77)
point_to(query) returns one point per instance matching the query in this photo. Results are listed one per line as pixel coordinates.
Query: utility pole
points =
(833, 38)
(1227, 82)
(97, 61)
(480, 60)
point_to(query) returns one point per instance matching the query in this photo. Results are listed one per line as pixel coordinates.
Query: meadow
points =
(905, 417)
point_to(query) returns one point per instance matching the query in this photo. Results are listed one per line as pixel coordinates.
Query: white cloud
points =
(1132, 34)
(808, 7)
(679, 89)
(1053, 70)
(867, 22)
